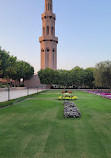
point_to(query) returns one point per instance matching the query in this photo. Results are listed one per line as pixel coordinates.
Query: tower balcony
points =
(48, 14)
(48, 38)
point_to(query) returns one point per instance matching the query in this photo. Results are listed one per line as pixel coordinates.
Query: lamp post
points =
(37, 89)
(27, 90)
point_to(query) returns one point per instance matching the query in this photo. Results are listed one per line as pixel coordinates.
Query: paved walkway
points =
(16, 93)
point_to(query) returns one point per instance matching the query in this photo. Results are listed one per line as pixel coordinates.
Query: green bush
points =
(4, 85)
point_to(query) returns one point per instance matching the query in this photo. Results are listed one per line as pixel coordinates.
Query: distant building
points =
(48, 40)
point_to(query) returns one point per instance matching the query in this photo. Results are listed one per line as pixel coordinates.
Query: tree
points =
(64, 78)
(4, 61)
(56, 77)
(1, 71)
(11, 69)
(102, 74)
(23, 70)
(46, 76)
(59, 77)
(88, 77)
(77, 75)
(28, 70)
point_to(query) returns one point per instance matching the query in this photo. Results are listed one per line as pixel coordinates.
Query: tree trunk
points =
(19, 82)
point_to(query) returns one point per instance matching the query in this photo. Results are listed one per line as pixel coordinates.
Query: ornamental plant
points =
(67, 96)
(69, 92)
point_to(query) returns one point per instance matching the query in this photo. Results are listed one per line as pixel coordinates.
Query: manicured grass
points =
(35, 128)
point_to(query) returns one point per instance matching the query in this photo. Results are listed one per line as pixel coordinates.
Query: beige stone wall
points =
(34, 82)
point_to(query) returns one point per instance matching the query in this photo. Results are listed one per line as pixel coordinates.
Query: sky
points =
(83, 28)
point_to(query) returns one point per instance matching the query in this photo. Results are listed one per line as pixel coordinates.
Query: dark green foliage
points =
(64, 78)
(4, 85)
(4, 60)
(7, 65)
(102, 74)
(46, 76)
(23, 70)
(1, 70)
(77, 77)
(59, 77)
(11, 68)
(89, 77)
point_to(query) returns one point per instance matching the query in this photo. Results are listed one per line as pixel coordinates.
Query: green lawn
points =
(35, 128)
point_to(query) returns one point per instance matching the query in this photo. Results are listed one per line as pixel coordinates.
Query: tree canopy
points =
(99, 76)
(11, 67)
(77, 77)
(102, 74)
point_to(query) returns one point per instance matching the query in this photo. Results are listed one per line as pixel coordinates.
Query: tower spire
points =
(48, 6)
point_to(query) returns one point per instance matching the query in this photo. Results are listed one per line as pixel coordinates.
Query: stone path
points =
(16, 93)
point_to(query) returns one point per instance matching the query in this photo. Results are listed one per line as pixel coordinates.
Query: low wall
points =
(13, 88)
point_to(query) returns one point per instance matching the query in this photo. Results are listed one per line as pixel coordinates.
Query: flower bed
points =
(70, 110)
(104, 95)
(67, 96)
(66, 92)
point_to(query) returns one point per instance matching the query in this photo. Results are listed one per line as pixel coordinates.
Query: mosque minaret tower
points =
(48, 40)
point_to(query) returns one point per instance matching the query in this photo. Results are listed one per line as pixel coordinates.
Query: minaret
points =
(48, 40)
